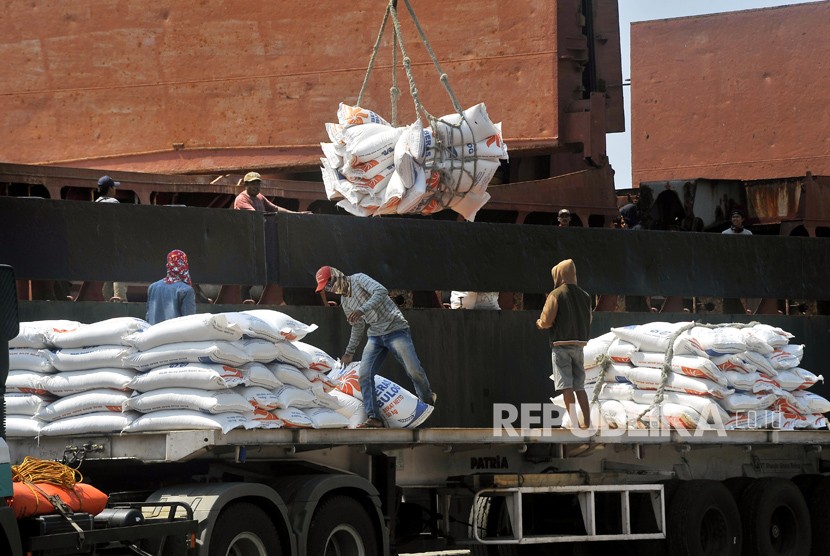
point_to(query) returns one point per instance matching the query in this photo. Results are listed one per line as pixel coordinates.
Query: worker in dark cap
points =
(106, 190)
(737, 227)
(564, 218)
(111, 291)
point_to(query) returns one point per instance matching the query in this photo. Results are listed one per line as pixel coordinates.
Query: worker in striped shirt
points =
(369, 308)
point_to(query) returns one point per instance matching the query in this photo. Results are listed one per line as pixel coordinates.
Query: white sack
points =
(31, 359)
(35, 334)
(72, 382)
(816, 403)
(325, 418)
(649, 337)
(25, 404)
(205, 376)
(294, 418)
(262, 419)
(704, 405)
(688, 365)
(82, 403)
(258, 397)
(225, 353)
(183, 419)
(23, 426)
(96, 357)
(355, 115)
(109, 331)
(26, 382)
(282, 326)
(649, 379)
(597, 347)
(474, 126)
(189, 328)
(91, 423)
(193, 399)
(742, 401)
(289, 374)
(786, 357)
(399, 408)
(257, 374)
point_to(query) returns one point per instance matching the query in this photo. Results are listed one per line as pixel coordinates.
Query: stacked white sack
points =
(75, 387)
(372, 168)
(225, 371)
(399, 408)
(750, 372)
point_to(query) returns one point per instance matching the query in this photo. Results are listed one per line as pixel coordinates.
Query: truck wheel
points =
(492, 520)
(242, 529)
(737, 486)
(342, 527)
(818, 502)
(775, 518)
(703, 520)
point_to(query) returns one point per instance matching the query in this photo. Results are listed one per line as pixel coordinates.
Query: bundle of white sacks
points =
(730, 377)
(373, 168)
(207, 371)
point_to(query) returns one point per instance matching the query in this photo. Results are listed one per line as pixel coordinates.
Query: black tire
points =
(775, 519)
(242, 528)
(818, 502)
(492, 520)
(806, 483)
(703, 519)
(342, 526)
(645, 521)
(737, 486)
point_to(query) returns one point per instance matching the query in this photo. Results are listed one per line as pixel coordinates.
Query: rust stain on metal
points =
(194, 87)
(741, 95)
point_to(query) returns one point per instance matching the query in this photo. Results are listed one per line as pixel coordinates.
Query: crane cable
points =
(397, 41)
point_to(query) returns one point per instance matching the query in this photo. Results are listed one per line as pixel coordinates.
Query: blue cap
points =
(107, 181)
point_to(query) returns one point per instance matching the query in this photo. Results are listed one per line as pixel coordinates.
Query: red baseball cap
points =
(323, 277)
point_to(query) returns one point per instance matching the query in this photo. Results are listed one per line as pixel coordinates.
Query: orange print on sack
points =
(366, 166)
(355, 115)
(370, 182)
(688, 371)
(231, 371)
(350, 384)
(431, 207)
(494, 140)
(434, 180)
(262, 415)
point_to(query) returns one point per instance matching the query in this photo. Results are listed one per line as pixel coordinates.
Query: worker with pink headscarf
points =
(172, 296)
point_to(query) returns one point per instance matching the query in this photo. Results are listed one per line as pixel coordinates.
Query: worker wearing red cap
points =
(368, 307)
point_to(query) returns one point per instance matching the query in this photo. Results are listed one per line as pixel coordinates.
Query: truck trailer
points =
(491, 471)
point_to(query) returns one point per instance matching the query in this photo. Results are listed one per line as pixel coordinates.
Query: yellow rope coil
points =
(34, 470)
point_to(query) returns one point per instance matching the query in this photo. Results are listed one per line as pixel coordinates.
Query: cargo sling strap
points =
(457, 164)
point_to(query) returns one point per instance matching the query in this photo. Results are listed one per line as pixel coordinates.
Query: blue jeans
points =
(401, 346)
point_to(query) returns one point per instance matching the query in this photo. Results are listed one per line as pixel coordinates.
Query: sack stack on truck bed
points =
(219, 371)
(690, 375)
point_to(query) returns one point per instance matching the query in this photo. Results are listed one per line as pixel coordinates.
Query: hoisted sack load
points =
(447, 164)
